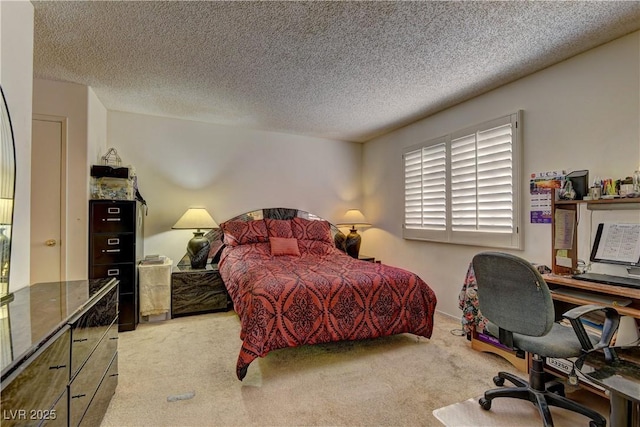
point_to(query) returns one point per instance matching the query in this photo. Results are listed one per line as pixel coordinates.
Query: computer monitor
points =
(617, 244)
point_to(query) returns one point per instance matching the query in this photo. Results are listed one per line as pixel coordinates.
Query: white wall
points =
(86, 138)
(229, 171)
(583, 113)
(16, 70)
(96, 129)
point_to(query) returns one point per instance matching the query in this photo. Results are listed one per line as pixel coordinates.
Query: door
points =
(47, 199)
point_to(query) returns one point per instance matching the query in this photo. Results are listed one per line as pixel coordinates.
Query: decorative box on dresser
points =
(115, 248)
(196, 291)
(59, 353)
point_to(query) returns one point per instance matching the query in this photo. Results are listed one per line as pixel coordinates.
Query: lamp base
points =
(198, 250)
(352, 243)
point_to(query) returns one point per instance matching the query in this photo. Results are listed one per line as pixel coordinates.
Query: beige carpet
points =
(181, 372)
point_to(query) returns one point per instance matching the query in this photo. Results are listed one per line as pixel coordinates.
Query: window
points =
(464, 187)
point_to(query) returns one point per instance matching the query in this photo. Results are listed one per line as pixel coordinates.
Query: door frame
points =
(64, 141)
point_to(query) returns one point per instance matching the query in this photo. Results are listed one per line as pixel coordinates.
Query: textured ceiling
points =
(343, 70)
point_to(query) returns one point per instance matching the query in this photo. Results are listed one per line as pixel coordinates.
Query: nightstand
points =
(195, 291)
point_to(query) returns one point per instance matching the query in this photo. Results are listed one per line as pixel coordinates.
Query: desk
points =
(621, 378)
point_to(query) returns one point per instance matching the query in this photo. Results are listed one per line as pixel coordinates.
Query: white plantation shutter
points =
(463, 188)
(413, 189)
(482, 181)
(425, 195)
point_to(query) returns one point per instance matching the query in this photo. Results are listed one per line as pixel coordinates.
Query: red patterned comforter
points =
(319, 296)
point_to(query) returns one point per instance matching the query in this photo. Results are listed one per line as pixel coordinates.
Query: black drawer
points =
(88, 330)
(58, 415)
(100, 403)
(86, 382)
(128, 312)
(125, 273)
(113, 248)
(49, 368)
(110, 217)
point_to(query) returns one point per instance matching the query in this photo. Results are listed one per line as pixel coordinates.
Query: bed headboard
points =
(215, 235)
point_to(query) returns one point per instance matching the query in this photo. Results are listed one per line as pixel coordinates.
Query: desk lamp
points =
(354, 218)
(198, 247)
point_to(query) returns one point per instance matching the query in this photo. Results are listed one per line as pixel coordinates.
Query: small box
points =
(105, 171)
(580, 182)
(111, 188)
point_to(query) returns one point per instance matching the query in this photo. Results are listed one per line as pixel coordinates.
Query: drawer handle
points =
(113, 272)
(78, 395)
(113, 375)
(114, 241)
(81, 340)
(113, 338)
(113, 210)
(111, 220)
(57, 367)
(111, 251)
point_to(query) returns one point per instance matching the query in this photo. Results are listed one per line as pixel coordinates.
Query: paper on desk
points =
(565, 223)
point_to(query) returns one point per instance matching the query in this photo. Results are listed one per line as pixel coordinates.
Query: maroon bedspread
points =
(318, 296)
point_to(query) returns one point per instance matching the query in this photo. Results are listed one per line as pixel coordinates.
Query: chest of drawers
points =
(115, 247)
(62, 338)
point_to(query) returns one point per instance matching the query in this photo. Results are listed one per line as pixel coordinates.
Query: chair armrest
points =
(611, 323)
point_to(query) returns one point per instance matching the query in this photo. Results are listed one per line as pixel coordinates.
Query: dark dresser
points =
(115, 248)
(59, 353)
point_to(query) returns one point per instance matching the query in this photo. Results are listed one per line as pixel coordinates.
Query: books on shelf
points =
(153, 259)
(490, 339)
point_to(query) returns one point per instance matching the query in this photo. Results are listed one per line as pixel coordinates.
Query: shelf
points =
(602, 288)
(599, 201)
(599, 290)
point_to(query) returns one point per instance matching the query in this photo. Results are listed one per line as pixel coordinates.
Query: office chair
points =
(516, 300)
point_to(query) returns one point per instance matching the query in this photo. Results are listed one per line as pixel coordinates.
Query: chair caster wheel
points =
(498, 381)
(486, 404)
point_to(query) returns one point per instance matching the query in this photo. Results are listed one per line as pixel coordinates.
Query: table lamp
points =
(198, 247)
(354, 218)
(6, 213)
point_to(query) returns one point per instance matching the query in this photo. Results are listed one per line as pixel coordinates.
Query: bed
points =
(291, 286)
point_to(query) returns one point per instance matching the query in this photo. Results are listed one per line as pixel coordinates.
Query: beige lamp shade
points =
(6, 211)
(354, 218)
(195, 218)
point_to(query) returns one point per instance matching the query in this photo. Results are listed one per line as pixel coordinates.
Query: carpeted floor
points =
(181, 372)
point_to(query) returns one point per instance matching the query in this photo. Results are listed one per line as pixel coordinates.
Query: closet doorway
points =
(48, 213)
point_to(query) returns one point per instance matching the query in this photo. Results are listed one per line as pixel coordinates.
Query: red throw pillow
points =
(243, 232)
(279, 227)
(308, 229)
(284, 246)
